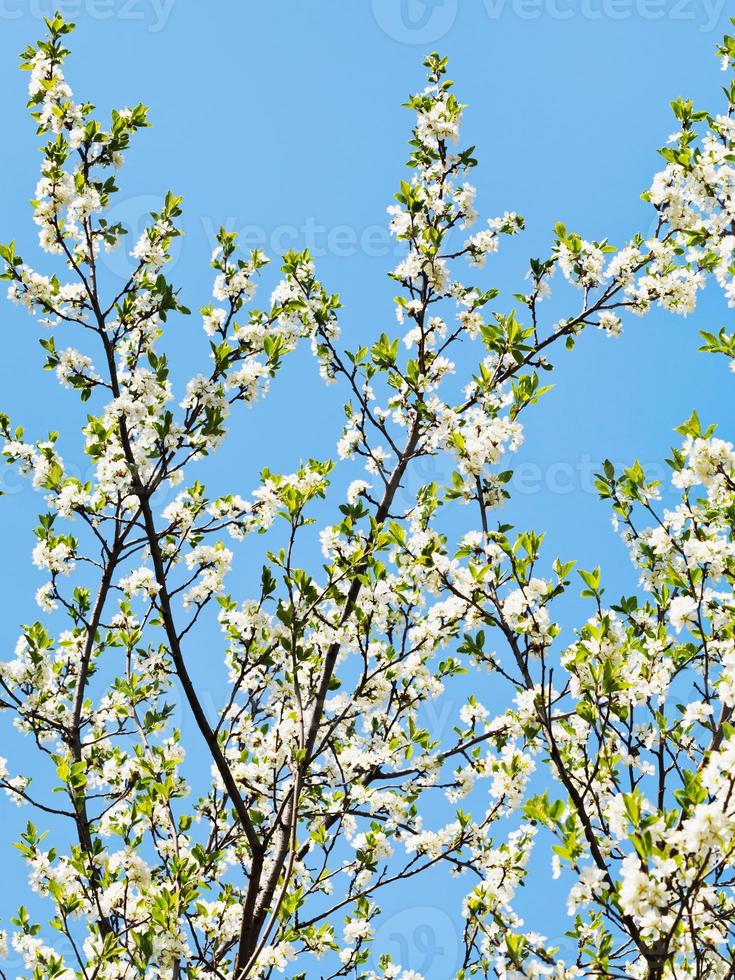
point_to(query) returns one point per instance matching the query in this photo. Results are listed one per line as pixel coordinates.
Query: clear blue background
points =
(283, 120)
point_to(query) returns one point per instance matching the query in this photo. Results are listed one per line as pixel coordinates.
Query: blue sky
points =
(283, 121)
